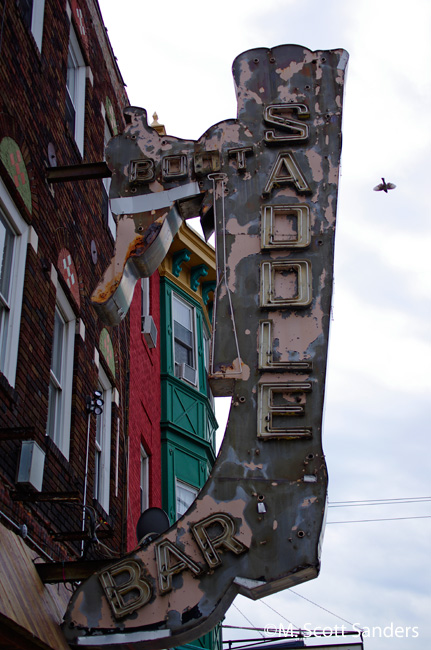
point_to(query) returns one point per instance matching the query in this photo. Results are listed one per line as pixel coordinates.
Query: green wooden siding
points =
(188, 422)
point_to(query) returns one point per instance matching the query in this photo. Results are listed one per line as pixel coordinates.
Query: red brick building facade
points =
(144, 489)
(73, 481)
(61, 98)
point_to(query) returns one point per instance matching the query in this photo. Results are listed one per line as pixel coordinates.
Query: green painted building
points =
(188, 423)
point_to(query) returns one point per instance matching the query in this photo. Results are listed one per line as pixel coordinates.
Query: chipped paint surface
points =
(269, 348)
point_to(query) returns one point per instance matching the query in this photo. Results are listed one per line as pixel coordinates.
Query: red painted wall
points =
(144, 408)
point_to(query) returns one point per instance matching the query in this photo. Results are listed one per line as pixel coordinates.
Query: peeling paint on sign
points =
(267, 182)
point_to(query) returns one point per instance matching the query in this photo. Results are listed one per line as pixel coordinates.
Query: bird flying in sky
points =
(384, 186)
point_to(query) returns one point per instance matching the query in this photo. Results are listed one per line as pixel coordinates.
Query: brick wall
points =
(66, 215)
(144, 408)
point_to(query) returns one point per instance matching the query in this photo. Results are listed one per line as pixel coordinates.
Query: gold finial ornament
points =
(160, 128)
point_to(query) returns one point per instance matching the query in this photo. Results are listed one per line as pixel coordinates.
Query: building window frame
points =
(61, 374)
(33, 14)
(75, 90)
(107, 212)
(185, 494)
(184, 340)
(145, 297)
(144, 482)
(102, 453)
(207, 358)
(37, 17)
(14, 237)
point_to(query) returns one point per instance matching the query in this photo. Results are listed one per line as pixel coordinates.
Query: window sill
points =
(5, 388)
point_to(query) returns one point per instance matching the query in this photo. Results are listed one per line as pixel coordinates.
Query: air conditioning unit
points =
(187, 373)
(149, 330)
(31, 465)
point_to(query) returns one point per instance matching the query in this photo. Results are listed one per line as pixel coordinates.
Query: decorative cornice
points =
(177, 260)
(197, 272)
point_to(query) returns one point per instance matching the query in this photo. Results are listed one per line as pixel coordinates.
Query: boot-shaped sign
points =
(268, 180)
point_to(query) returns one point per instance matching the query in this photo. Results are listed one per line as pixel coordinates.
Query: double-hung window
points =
(32, 13)
(75, 90)
(145, 297)
(148, 326)
(61, 374)
(102, 458)
(184, 329)
(144, 479)
(185, 495)
(7, 246)
(14, 234)
(107, 212)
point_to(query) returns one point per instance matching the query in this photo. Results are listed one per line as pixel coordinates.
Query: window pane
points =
(61, 375)
(54, 414)
(26, 7)
(183, 354)
(6, 257)
(57, 346)
(51, 412)
(97, 467)
(185, 495)
(183, 318)
(4, 320)
(145, 296)
(98, 478)
(184, 335)
(102, 454)
(182, 314)
(144, 480)
(72, 64)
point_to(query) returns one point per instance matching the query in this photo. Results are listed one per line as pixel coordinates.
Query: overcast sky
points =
(176, 59)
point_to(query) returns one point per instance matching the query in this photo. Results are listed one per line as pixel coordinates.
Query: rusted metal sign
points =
(269, 179)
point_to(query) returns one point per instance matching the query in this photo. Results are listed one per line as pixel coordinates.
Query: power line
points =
(324, 608)
(248, 620)
(361, 521)
(372, 502)
(278, 614)
(386, 503)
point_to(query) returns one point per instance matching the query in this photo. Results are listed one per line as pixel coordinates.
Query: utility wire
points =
(339, 504)
(248, 620)
(324, 608)
(278, 613)
(378, 502)
(390, 499)
(361, 521)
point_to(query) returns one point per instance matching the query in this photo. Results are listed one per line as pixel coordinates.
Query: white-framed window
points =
(75, 90)
(14, 236)
(148, 326)
(32, 13)
(144, 479)
(207, 346)
(102, 457)
(145, 297)
(185, 494)
(207, 342)
(107, 185)
(61, 374)
(184, 329)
